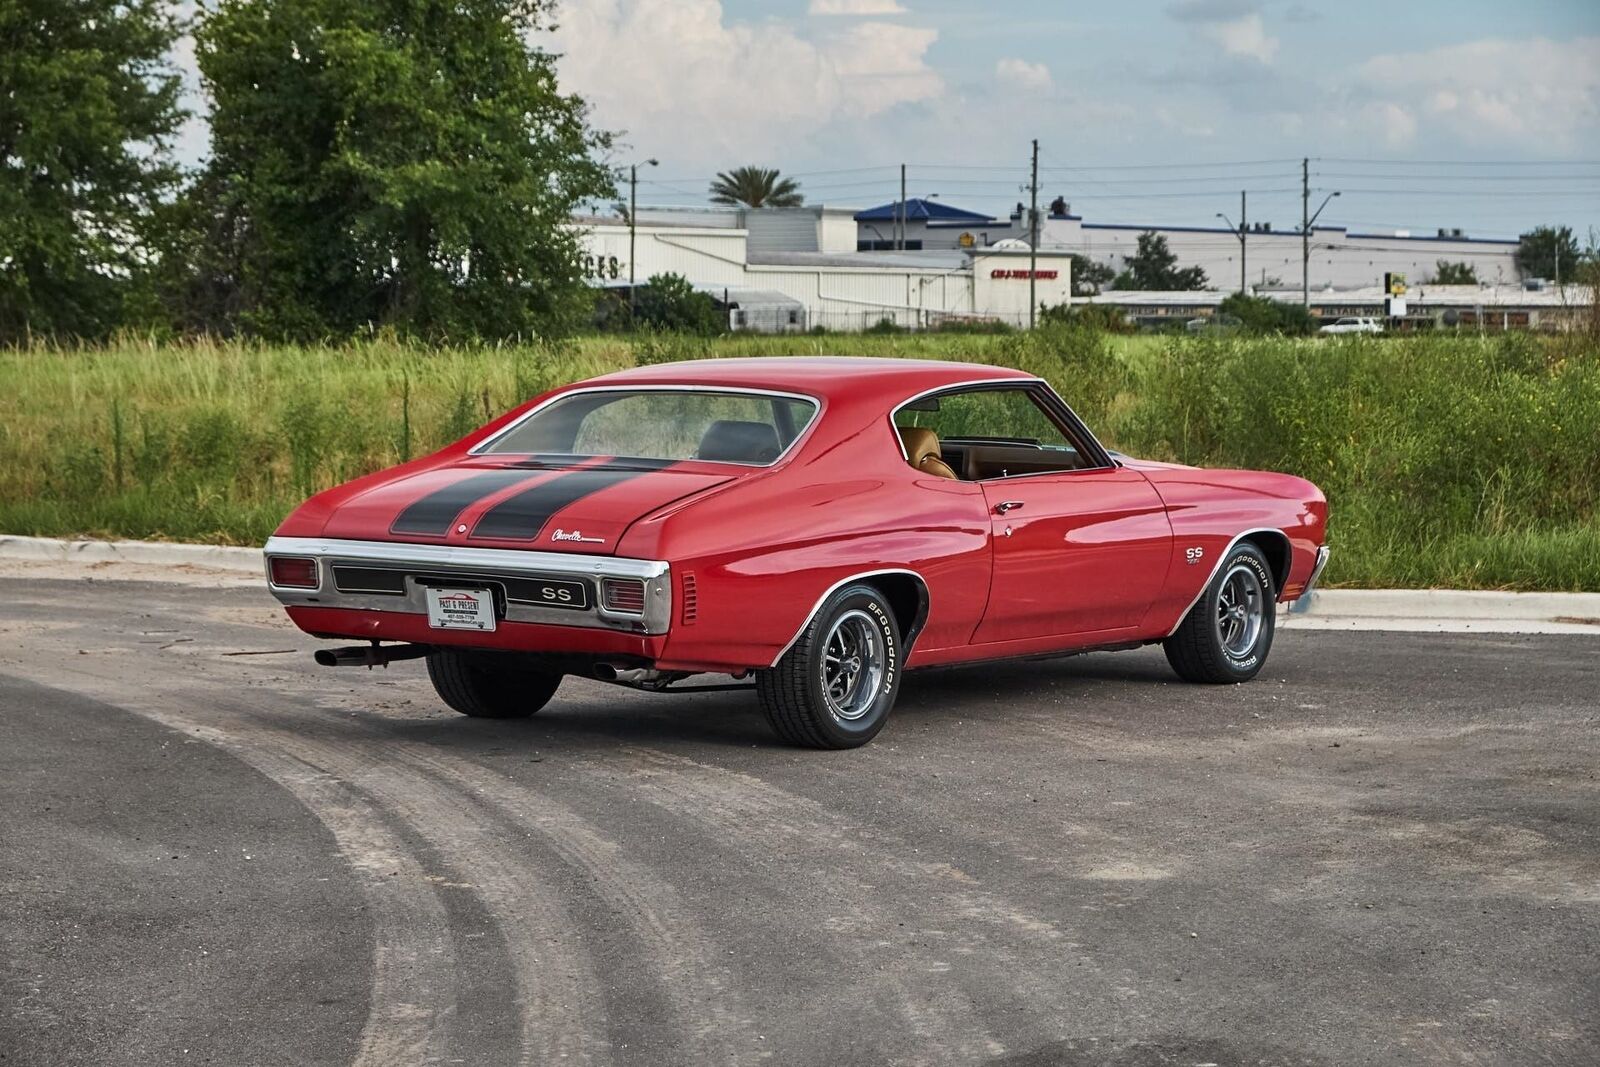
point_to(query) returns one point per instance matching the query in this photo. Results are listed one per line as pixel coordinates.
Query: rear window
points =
(663, 424)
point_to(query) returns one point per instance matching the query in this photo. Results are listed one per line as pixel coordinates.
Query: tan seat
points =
(922, 451)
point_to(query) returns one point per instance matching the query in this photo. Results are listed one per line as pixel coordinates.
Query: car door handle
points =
(1007, 505)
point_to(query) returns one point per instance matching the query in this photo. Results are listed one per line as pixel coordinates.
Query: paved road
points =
(1386, 850)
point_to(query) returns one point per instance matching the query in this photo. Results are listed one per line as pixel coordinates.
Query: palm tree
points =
(755, 187)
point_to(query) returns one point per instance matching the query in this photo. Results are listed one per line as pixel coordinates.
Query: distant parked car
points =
(1221, 322)
(1353, 326)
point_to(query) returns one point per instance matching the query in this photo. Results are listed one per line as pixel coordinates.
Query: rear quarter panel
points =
(763, 551)
(1210, 508)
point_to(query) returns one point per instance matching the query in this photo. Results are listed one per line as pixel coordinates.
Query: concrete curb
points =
(144, 553)
(1417, 610)
(1446, 611)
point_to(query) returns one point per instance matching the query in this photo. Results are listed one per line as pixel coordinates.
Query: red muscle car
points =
(816, 525)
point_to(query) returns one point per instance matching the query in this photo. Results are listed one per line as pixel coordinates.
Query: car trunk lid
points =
(581, 506)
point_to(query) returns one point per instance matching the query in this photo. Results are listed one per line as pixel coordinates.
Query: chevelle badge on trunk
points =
(812, 527)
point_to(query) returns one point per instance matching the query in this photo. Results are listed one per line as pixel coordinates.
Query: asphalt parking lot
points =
(1386, 850)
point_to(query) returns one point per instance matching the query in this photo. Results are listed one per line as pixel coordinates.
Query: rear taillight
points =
(625, 596)
(292, 572)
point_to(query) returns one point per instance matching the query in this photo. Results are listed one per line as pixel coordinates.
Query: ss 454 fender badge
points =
(1194, 555)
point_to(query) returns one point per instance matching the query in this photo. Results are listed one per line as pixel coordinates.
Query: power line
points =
(1461, 162)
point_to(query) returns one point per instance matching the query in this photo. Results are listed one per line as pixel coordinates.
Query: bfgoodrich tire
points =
(487, 685)
(835, 686)
(1227, 634)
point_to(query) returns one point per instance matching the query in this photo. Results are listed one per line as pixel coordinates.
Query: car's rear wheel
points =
(489, 685)
(1227, 634)
(835, 686)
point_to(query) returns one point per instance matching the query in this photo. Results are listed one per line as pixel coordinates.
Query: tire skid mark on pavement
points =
(748, 813)
(450, 815)
(416, 994)
(414, 979)
(550, 986)
(700, 990)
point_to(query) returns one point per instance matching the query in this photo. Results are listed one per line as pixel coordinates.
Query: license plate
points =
(460, 608)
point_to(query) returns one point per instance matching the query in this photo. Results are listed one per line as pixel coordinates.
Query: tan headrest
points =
(920, 443)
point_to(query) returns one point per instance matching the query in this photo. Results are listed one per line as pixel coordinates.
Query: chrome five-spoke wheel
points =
(852, 665)
(1240, 607)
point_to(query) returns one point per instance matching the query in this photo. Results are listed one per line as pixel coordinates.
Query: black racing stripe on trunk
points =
(523, 517)
(434, 513)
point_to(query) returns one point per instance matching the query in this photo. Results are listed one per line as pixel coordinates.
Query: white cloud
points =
(856, 7)
(1246, 37)
(1534, 91)
(682, 80)
(1022, 74)
(1233, 25)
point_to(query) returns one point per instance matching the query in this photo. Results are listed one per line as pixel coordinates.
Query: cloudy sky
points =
(1430, 113)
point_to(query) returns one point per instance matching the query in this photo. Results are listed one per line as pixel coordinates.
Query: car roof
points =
(823, 376)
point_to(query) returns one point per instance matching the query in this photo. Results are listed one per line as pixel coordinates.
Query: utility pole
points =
(1305, 233)
(1242, 232)
(1033, 239)
(900, 213)
(633, 213)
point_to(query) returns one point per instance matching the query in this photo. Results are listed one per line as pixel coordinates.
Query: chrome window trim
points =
(840, 584)
(817, 403)
(485, 564)
(1222, 558)
(1028, 384)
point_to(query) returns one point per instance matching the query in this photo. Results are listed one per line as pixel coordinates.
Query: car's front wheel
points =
(489, 685)
(1227, 634)
(836, 684)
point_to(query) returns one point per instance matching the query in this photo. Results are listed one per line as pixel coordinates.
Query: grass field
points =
(1449, 461)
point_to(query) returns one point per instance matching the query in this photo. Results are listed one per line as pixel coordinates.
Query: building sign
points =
(1394, 288)
(1039, 275)
(966, 240)
(601, 267)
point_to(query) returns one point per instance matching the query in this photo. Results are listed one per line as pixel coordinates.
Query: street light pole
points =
(633, 213)
(1241, 230)
(1305, 249)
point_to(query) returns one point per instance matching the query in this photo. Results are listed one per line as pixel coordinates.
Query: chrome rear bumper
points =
(392, 576)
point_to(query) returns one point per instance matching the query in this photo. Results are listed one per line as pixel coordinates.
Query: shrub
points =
(668, 302)
(1260, 314)
(1107, 318)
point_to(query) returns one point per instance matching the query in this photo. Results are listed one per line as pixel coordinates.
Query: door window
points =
(994, 433)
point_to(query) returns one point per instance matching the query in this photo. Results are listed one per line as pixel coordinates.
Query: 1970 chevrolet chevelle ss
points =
(820, 525)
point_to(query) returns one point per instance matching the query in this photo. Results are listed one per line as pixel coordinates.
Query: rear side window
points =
(663, 424)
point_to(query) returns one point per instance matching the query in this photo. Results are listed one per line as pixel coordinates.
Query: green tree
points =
(1548, 252)
(1089, 277)
(1154, 266)
(401, 163)
(1261, 314)
(88, 105)
(669, 302)
(755, 187)
(1447, 273)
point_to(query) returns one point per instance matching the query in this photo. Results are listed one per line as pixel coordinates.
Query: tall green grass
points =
(1457, 461)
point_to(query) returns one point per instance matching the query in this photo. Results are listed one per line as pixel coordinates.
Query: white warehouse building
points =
(798, 268)
(1340, 258)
